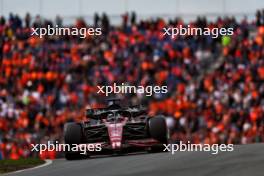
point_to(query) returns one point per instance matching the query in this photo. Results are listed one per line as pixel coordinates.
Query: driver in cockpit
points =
(110, 117)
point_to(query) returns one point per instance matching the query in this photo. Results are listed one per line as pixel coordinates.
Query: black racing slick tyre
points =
(158, 129)
(72, 135)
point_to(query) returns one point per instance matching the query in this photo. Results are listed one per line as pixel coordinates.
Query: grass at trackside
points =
(9, 165)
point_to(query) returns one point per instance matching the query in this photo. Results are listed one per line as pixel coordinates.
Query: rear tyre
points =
(72, 135)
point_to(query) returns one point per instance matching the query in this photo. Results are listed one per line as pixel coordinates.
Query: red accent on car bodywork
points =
(115, 131)
(143, 143)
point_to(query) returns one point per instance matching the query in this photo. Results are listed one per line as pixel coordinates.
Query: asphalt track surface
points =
(245, 160)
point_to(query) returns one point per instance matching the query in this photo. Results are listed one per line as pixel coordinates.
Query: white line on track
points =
(47, 162)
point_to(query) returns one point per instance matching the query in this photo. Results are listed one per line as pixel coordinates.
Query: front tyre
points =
(72, 135)
(158, 130)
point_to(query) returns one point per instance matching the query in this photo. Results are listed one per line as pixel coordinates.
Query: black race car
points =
(117, 129)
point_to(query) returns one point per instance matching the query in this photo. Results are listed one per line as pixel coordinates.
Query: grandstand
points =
(215, 86)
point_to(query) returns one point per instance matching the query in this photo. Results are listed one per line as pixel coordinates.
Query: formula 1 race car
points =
(117, 129)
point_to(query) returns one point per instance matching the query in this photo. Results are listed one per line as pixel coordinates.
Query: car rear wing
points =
(100, 112)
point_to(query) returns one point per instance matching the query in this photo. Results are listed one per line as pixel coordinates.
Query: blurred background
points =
(215, 86)
(188, 10)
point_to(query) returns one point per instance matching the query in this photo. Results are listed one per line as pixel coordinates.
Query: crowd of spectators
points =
(45, 82)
